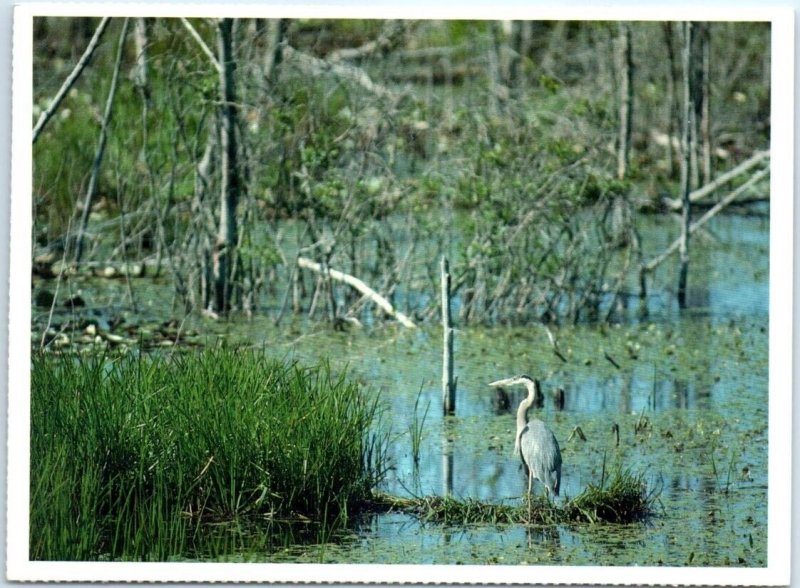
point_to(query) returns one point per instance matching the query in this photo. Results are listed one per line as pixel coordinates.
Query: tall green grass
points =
(129, 455)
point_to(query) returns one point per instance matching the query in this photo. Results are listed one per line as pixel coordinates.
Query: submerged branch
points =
(359, 285)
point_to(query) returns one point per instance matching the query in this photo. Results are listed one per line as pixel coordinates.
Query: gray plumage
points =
(535, 443)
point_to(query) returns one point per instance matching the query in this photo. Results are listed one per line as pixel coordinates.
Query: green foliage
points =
(127, 453)
(532, 160)
(451, 32)
(549, 83)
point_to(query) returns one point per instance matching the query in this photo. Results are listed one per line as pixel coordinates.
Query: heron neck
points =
(522, 413)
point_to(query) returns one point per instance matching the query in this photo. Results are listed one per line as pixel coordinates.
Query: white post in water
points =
(448, 382)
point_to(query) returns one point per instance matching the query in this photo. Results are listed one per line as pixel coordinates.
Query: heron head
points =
(523, 379)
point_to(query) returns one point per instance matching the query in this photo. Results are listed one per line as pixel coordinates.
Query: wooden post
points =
(296, 292)
(448, 382)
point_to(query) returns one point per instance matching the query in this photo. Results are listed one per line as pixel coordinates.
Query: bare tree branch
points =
(71, 78)
(101, 145)
(196, 36)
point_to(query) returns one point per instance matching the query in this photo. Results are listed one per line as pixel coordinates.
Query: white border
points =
(780, 358)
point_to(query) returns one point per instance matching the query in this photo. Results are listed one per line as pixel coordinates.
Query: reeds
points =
(129, 454)
(416, 429)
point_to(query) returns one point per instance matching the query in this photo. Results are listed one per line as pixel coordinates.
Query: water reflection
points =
(447, 457)
(501, 402)
(559, 399)
(543, 536)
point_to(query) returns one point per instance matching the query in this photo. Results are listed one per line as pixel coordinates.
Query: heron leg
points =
(530, 501)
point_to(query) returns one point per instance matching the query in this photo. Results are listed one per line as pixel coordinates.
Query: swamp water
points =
(690, 398)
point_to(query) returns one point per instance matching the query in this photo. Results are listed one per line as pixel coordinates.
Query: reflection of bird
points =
(501, 401)
(535, 442)
(559, 398)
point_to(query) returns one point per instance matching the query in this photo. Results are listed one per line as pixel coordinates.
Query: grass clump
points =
(625, 499)
(451, 511)
(128, 455)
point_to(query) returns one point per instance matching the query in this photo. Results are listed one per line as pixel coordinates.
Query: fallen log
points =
(359, 285)
(313, 66)
(702, 192)
(391, 36)
(729, 199)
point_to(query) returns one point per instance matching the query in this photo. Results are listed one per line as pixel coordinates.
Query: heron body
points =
(541, 454)
(535, 443)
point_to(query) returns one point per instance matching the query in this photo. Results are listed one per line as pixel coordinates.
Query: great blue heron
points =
(535, 443)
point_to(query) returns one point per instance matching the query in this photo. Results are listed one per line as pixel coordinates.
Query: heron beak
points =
(503, 382)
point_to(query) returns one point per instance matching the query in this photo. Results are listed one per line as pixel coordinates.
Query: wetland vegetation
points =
(132, 452)
(237, 234)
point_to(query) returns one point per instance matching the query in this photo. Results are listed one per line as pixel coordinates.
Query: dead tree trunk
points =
(140, 72)
(497, 91)
(225, 247)
(672, 100)
(705, 102)
(515, 60)
(520, 48)
(276, 33)
(625, 73)
(688, 124)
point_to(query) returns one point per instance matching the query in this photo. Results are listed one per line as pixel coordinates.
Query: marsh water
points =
(690, 397)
